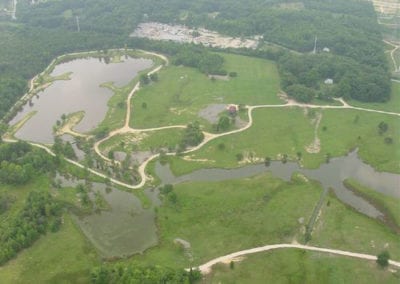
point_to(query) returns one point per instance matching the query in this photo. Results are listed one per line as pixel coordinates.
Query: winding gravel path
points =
(206, 267)
(207, 136)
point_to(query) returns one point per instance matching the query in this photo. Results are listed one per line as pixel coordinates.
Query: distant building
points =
(328, 81)
(233, 109)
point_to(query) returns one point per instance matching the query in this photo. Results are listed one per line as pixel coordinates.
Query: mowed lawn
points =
(182, 92)
(223, 217)
(298, 266)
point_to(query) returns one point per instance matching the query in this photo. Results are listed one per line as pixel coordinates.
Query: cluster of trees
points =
(63, 148)
(192, 136)
(40, 214)
(200, 58)
(122, 273)
(303, 78)
(19, 162)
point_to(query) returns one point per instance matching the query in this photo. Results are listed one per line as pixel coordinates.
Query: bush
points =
(383, 259)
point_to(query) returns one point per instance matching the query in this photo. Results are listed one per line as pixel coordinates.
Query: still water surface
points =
(81, 93)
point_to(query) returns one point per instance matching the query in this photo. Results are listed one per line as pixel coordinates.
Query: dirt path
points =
(395, 47)
(208, 136)
(206, 268)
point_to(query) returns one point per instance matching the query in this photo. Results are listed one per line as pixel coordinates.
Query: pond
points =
(81, 93)
(330, 175)
(126, 228)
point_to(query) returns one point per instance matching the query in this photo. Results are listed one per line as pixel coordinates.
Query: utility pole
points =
(315, 45)
(77, 24)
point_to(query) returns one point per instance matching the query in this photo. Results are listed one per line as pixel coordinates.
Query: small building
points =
(233, 109)
(326, 49)
(328, 81)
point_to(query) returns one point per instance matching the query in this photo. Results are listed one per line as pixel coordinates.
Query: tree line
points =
(41, 213)
(122, 273)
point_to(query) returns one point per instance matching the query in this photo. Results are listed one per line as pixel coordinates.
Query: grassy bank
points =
(388, 205)
(341, 227)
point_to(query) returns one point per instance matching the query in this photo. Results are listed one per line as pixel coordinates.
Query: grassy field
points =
(290, 130)
(182, 92)
(62, 257)
(297, 266)
(340, 227)
(218, 218)
(348, 129)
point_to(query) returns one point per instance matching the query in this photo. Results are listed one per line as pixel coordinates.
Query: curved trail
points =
(126, 129)
(206, 267)
(396, 47)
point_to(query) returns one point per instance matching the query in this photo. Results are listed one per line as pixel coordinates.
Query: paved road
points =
(206, 267)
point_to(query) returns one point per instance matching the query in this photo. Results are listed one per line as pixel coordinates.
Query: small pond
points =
(330, 175)
(126, 228)
(81, 93)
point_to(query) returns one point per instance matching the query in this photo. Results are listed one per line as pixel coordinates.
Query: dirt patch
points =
(315, 146)
(140, 157)
(211, 112)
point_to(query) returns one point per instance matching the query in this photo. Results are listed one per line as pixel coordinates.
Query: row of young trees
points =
(122, 273)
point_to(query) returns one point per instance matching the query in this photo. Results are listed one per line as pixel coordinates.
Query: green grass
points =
(289, 130)
(390, 205)
(182, 92)
(345, 131)
(297, 266)
(393, 105)
(274, 132)
(62, 257)
(340, 227)
(223, 217)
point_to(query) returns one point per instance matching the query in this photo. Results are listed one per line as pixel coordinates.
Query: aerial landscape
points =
(199, 141)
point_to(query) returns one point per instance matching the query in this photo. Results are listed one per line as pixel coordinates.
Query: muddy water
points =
(81, 93)
(329, 175)
(127, 228)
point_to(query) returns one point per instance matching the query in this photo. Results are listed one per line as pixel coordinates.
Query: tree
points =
(267, 161)
(382, 127)
(383, 259)
(223, 123)
(144, 79)
(154, 77)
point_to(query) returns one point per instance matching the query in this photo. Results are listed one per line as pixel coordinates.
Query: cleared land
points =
(182, 92)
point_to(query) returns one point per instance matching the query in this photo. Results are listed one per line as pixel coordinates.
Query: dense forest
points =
(347, 28)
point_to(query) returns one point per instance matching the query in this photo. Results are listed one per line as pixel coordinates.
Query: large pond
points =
(330, 175)
(81, 93)
(126, 228)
